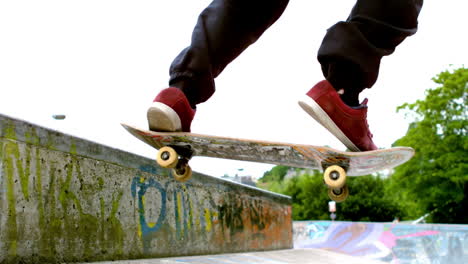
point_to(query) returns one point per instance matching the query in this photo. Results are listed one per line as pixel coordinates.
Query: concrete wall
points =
(65, 199)
(389, 242)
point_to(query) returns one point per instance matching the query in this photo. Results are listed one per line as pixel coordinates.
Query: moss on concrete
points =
(68, 202)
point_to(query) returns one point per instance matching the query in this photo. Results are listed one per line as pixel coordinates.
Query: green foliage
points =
(276, 174)
(309, 197)
(367, 201)
(435, 180)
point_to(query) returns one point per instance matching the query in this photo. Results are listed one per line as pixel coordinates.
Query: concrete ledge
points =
(65, 199)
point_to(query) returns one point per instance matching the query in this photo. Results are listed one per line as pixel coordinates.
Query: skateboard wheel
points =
(167, 157)
(334, 177)
(338, 195)
(182, 173)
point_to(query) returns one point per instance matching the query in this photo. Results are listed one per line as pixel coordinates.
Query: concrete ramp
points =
(388, 242)
(65, 199)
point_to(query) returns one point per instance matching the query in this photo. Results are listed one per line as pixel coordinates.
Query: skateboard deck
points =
(188, 145)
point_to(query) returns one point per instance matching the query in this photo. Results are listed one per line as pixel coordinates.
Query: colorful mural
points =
(396, 243)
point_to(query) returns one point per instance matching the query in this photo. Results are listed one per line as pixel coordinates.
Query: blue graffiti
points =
(142, 188)
(175, 198)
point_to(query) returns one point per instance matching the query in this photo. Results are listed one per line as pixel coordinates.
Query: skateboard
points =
(177, 148)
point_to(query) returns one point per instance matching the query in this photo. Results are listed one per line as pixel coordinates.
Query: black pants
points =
(350, 53)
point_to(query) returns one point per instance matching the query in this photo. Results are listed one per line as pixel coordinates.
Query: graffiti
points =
(64, 199)
(394, 243)
(258, 215)
(230, 215)
(176, 205)
(46, 197)
(145, 226)
(202, 215)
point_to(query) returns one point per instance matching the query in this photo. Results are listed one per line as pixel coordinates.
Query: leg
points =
(224, 29)
(350, 57)
(351, 51)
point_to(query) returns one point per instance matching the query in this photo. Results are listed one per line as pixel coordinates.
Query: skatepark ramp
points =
(388, 242)
(65, 199)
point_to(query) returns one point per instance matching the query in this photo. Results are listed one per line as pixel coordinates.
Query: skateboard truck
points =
(334, 177)
(169, 158)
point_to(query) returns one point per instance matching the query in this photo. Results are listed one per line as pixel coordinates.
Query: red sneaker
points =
(348, 124)
(170, 112)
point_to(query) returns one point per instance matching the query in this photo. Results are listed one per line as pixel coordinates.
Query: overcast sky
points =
(102, 62)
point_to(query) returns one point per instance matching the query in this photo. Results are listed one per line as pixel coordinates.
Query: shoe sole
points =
(163, 118)
(316, 112)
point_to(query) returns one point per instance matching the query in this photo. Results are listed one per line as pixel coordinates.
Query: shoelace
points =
(367, 124)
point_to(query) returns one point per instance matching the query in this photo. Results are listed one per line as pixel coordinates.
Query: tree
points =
(367, 201)
(436, 179)
(309, 197)
(272, 180)
(277, 173)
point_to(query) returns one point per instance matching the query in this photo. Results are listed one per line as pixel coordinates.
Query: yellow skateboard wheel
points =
(334, 177)
(182, 174)
(338, 195)
(167, 157)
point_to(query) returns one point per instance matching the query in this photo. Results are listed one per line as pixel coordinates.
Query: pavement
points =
(353, 242)
(289, 256)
